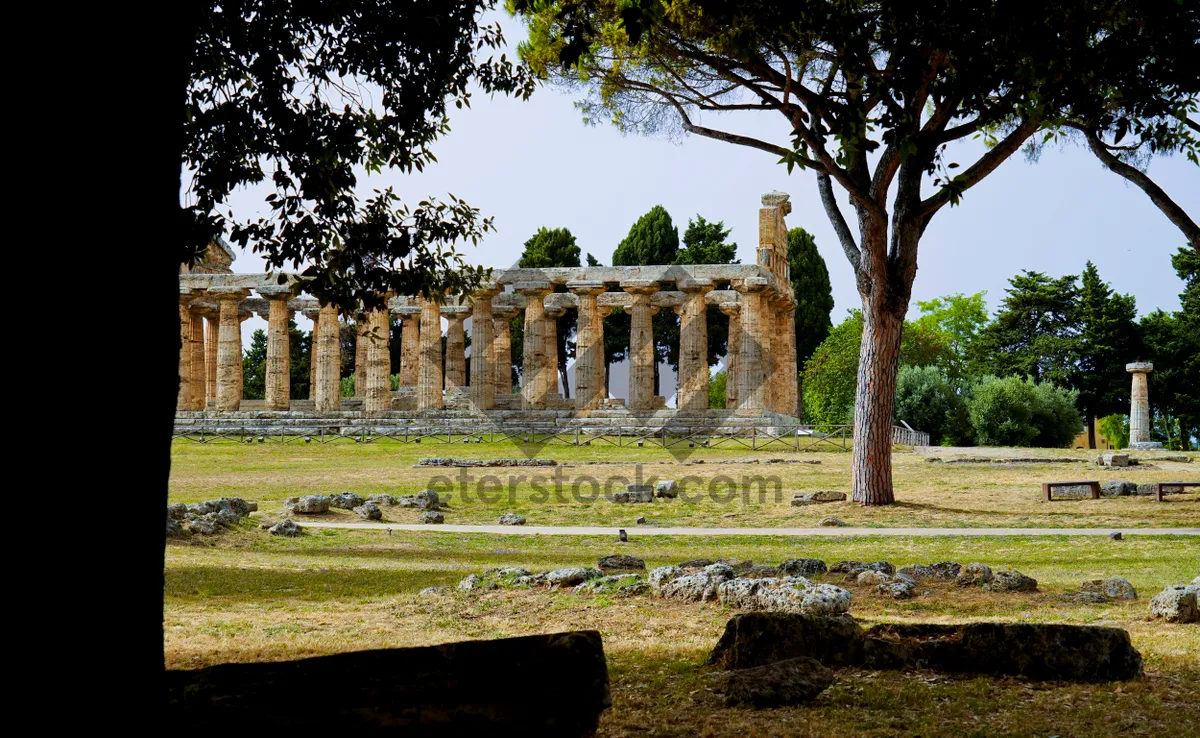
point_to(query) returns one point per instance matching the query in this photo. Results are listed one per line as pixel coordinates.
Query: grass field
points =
(728, 495)
(247, 596)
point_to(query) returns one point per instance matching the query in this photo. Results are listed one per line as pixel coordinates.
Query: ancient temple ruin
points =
(756, 299)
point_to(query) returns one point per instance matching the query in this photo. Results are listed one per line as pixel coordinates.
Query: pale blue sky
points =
(534, 163)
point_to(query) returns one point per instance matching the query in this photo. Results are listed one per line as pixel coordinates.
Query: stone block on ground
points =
(451, 689)
(620, 562)
(974, 574)
(1010, 580)
(779, 684)
(382, 499)
(287, 529)
(427, 499)
(512, 519)
(1113, 459)
(571, 576)
(1177, 604)
(308, 504)
(346, 501)
(634, 493)
(831, 523)
(1049, 651)
(667, 488)
(432, 517)
(802, 568)
(801, 499)
(1118, 489)
(1113, 588)
(369, 511)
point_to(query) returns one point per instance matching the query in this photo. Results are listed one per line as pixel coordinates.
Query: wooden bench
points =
(1048, 488)
(1158, 492)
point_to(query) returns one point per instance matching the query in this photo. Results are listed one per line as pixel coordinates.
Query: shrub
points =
(925, 400)
(1017, 412)
(1115, 429)
(348, 386)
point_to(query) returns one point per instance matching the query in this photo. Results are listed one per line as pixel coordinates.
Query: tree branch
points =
(825, 186)
(1156, 194)
(984, 166)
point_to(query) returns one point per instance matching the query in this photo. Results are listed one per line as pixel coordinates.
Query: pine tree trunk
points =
(1091, 426)
(874, 405)
(1185, 441)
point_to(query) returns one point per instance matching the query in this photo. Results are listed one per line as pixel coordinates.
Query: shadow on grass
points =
(264, 585)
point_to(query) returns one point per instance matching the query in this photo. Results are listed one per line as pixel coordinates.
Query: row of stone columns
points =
(760, 359)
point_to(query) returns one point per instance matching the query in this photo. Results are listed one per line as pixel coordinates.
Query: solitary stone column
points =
(229, 349)
(212, 326)
(183, 400)
(329, 355)
(502, 349)
(550, 374)
(751, 379)
(410, 349)
(279, 370)
(641, 345)
(378, 395)
(1139, 406)
(533, 360)
(732, 349)
(483, 380)
(692, 394)
(363, 325)
(429, 381)
(199, 370)
(589, 347)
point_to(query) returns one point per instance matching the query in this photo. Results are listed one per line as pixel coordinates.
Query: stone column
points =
(692, 393)
(315, 317)
(212, 326)
(199, 369)
(602, 312)
(772, 369)
(641, 345)
(786, 339)
(533, 361)
(363, 324)
(378, 395)
(751, 379)
(483, 380)
(329, 354)
(732, 349)
(550, 372)
(1139, 406)
(456, 361)
(229, 348)
(183, 399)
(410, 349)
(502, 349)
(429, 380)
(589, 347)
(279, 353)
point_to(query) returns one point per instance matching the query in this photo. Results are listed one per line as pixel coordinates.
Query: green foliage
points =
(831, 373)
(926, 400)
(299, 360)
(959, 319)
(394, 379)
(653, 239)
(276, 93)
(1011, 411)
(1172, 342)
(348, 386)
(1108, 339)
(254, 367)
(716, 391)
(1115, 429)
(1035, 333)
(814, 294)
(704, 243)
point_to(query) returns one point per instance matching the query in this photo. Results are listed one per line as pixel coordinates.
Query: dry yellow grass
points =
(928, 494)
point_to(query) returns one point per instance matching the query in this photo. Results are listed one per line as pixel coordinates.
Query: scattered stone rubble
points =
(206, 518)
(512, 519)
(288, 528)
(440, 461)
(1106, 590)
(777, 684)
